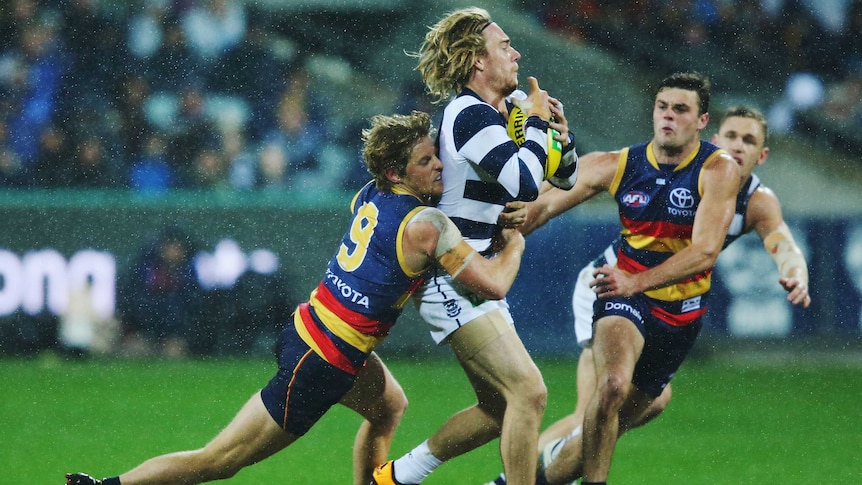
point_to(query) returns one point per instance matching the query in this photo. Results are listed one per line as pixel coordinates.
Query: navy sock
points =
(111, 481)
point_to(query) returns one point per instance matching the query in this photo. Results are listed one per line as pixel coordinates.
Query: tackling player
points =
(325, 355)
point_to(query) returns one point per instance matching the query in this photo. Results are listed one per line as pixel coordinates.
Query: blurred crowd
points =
(808, 50)
(170, 305)
(155, 95)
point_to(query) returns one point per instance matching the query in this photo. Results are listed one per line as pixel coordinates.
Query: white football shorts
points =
(584, 297)
(446, 306)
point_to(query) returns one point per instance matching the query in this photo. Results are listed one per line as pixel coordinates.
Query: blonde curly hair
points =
(450, 47)
(389, 143)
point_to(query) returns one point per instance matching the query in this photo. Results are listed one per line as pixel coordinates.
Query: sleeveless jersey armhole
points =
(399, 244)
(621, 168)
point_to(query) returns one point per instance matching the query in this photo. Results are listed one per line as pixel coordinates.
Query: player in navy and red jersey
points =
(325, 356)
(743, 133)
(365, 286)
(676, 198)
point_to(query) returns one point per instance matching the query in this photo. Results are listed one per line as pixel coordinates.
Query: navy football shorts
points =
(305, 387)
(665, 345)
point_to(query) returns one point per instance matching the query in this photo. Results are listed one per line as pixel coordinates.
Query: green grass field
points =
(791, 421)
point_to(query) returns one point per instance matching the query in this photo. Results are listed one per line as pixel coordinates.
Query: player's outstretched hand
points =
(797, 291)
(81, 479)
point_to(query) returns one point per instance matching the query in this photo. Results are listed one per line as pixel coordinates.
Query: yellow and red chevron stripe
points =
(694, 286)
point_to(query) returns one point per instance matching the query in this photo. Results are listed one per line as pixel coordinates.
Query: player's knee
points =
(661, 403)
(612, 391)
(540, 396)
(391, 411)
(533, 393)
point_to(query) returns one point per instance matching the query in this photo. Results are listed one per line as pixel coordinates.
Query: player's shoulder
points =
(764, 197)
(469, 115)
(366, 193)
(763, 208)
(424, 225)
(427, 213)
(721, 163)
(718, 157)
(469, 102)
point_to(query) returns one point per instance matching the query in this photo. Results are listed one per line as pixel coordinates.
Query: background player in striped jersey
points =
(325, 355)
(469, 55)
(743, 133)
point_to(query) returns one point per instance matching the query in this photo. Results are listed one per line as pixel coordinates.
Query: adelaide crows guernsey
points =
(367, 282)
(657, 204)
(737, 227)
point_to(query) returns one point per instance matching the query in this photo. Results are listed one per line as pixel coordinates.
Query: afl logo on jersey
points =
(682, 198)
(635, 199)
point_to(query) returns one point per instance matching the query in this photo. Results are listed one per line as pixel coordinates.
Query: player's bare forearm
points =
(792, 267)
(535, 216)
(492, 278)
(611, 281)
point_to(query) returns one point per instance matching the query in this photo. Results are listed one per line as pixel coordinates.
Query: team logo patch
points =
(635, 198)
(690, 305)
(453, 309)
(682, 198)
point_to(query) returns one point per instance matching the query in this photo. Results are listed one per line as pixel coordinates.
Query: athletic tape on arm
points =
(452, 252)
(787, 255)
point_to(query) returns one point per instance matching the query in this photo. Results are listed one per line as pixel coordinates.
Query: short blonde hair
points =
(450, 48)
(743, 111)
(389, 143)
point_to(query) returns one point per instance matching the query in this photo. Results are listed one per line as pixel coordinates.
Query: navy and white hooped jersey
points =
(367, 282)
(737, 225)
(657, 204)
(483, 168)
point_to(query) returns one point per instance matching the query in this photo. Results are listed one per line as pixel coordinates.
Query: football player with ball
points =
(469, 56)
